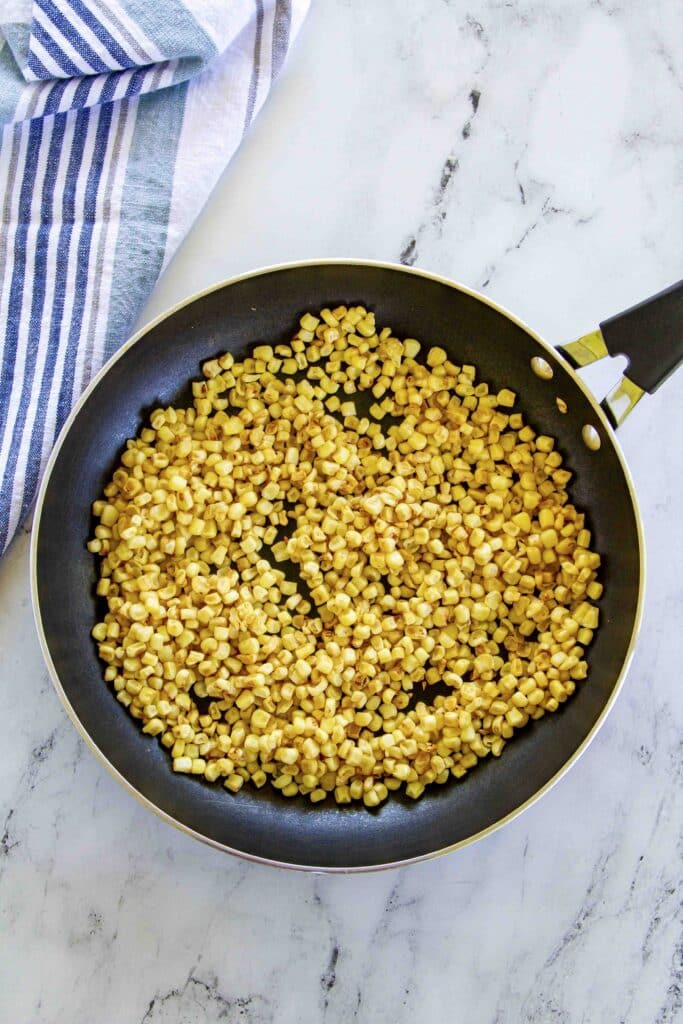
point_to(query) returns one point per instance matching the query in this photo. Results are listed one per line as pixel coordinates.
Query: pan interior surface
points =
(156, 371)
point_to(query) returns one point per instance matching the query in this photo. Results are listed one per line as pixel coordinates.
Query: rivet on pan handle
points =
(650, 335)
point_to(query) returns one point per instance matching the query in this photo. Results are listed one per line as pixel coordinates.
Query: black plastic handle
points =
(650, 335)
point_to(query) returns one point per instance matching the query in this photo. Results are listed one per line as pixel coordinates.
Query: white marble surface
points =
(561, 196)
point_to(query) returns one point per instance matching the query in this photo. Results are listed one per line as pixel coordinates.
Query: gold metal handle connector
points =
(586, 350)
(624, 396)
(621, 400)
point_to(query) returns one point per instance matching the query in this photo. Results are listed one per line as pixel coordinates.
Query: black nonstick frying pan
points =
(155, 368)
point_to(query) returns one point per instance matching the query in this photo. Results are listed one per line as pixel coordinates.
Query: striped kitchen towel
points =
(117, 118)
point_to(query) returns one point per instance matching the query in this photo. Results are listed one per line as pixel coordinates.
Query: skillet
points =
(154, 369)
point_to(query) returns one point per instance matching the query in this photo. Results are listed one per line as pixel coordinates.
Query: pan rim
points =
(47, 475)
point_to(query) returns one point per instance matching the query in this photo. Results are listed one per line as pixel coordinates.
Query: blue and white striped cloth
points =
(117, 118)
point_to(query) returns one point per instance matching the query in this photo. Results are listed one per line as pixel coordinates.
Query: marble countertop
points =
(532, 150)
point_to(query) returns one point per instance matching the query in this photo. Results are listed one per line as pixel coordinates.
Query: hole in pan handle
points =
(650, 335)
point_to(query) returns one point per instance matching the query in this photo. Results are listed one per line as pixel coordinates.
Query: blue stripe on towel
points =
(88, 17)
(91, 190)
(34, 130)
(70, 33)
(51, 46)
(37, 302)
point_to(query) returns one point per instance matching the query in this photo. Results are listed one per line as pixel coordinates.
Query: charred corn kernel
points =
(394, 561)
(309, 322)
(546, 518)
(480, 612)
(515, 717)
(436, 545)
(506, 398)
(108, 515)
(436, 356)
(260, 719)
(523, 521)
(483, 554)
(154, 727)
(549, 539)
(415, 789)
(212, 771)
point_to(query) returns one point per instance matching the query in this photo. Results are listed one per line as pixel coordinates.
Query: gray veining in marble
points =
(533, 150)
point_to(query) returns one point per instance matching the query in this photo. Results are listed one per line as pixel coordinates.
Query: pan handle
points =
(650, 335)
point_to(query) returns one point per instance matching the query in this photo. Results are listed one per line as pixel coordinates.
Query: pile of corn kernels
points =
(336, 603)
